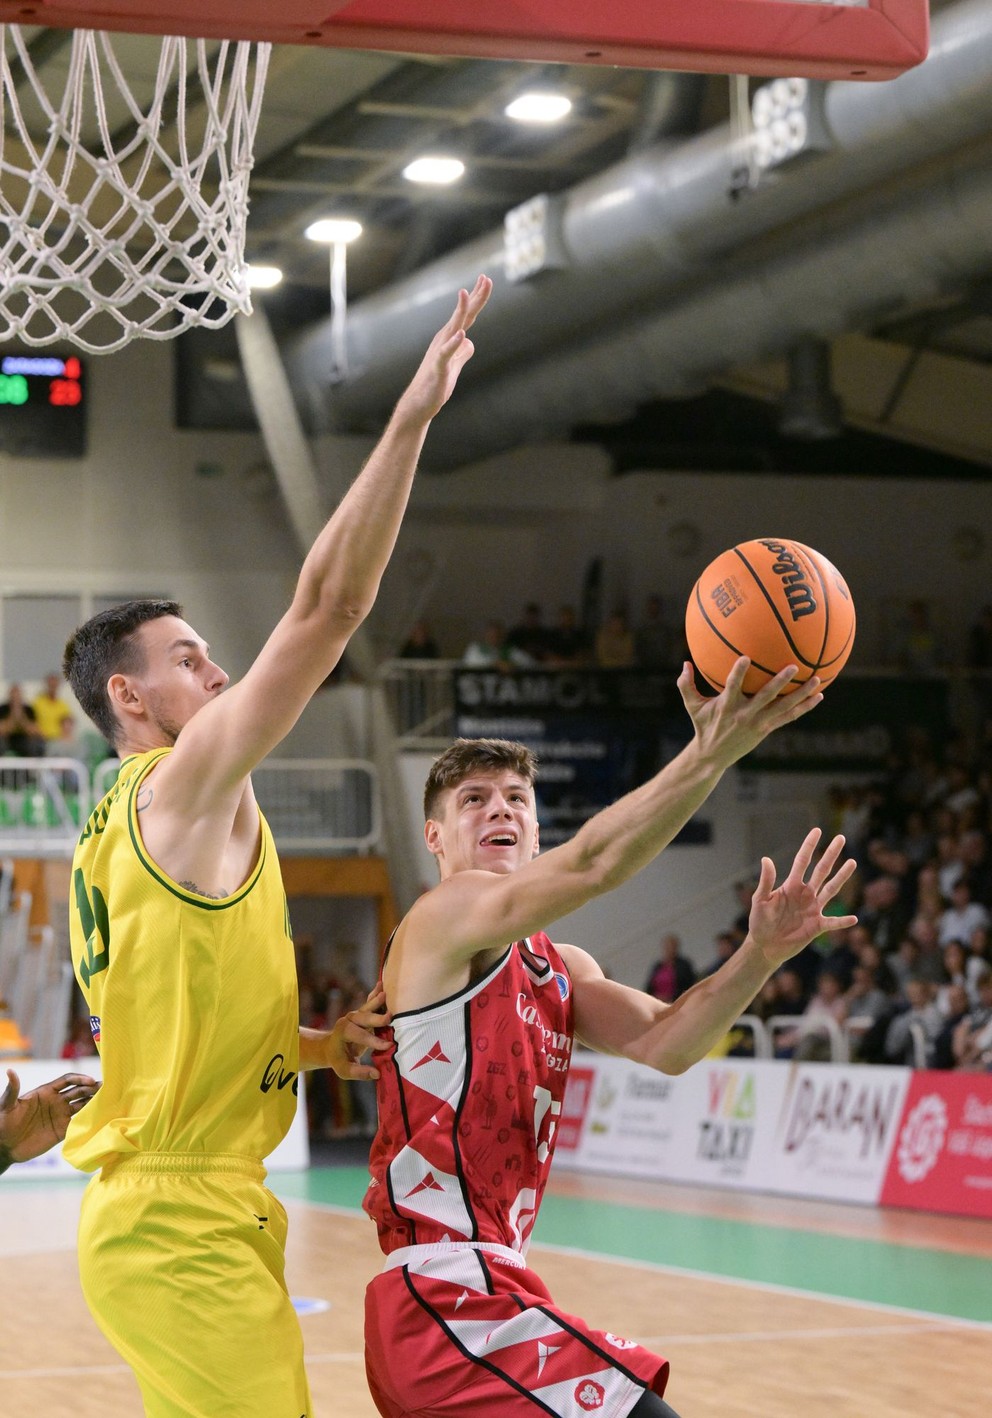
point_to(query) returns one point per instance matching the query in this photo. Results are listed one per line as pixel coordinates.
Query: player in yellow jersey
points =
(181, 945)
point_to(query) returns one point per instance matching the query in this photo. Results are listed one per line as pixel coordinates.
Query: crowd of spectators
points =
(650, 642)
(912, 982)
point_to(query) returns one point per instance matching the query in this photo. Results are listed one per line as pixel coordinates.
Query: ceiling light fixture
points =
(438, 171)
(538, 106)
(263, 277)
(333, 229)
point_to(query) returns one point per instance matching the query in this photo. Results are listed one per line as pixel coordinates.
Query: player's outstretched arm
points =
(340, 576)
(353, 1035)
(32, 1122)
(476, 911)
(783, 919)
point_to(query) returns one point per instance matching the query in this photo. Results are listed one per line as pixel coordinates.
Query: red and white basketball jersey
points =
(469, 1097)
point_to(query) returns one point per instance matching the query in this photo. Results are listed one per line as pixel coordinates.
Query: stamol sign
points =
(836, 1131)
(597, 733)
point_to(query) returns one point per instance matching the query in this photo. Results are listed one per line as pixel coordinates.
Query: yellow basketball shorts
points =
(182, 1260)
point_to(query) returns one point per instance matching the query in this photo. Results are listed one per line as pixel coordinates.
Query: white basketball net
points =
(120, 218)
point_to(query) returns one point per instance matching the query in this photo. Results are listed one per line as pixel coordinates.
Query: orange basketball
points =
(776, 601)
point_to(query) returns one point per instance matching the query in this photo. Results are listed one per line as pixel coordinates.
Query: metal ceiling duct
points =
(647, 242)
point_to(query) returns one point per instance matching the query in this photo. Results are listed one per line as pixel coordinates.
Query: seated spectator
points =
(883, 911)
(19, 733)
(956, 1007)
(979, 958)
(726, 943)
(963, 915)
(419, 644)
(972, 1039)
(653, 647)
(615, 643)
(492, 651)
(50, 710)
(955, 959)
(973, 849)
(530, 635)
(900, 1046)
(568, 644)
(812, 1041)
(864, 999)
(672, 974)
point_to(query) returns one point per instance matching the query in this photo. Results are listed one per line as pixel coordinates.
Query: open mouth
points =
(500, 839)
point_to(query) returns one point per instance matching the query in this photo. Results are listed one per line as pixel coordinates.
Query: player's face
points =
(179, 676)
(487, 823)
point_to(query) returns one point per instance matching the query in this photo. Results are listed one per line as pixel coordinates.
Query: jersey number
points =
(543, 1105)
(95, 921)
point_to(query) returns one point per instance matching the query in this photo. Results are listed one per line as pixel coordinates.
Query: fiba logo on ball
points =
(590, 1395)
(922, 1138)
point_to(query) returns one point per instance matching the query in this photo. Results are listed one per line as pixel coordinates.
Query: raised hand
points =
(733, 723)
(353, 1035)
(33, 1122)
(447, 354)
(783, 919)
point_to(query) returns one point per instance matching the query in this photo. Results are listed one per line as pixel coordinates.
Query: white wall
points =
(135, 512)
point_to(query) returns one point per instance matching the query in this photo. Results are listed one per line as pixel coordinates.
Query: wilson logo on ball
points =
(797, 590)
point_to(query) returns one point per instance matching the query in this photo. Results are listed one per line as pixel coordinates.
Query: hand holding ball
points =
(776, 601)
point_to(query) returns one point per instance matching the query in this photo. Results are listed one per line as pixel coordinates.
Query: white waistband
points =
(411, 1255)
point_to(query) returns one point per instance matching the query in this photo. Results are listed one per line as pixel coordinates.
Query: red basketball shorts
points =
(452, 1330)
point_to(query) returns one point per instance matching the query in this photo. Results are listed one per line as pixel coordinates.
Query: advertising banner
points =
(597, 733)
(857, 726)
(292, 1154)
(727, 1113)
(836, 1129)
(942, 1159)
(617, 1117)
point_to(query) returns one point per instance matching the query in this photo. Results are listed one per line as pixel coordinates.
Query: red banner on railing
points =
(942, 1158)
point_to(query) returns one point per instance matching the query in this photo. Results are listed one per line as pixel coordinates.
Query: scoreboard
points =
(42, 406)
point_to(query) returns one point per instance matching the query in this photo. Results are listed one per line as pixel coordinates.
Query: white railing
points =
(421, 701)
(320, 805)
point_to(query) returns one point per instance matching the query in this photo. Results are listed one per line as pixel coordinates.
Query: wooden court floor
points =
(769, 1307)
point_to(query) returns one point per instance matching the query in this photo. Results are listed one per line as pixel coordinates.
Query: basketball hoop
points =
(109, 233)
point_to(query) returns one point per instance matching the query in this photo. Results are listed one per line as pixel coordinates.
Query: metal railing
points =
(312, 805)
(43, 804)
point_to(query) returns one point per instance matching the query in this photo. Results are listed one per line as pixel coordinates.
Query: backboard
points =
(821, 39)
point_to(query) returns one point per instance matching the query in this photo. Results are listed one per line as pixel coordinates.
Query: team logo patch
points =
(619, 1343)
(564, 984)
(95, 1027)
(590, 1395)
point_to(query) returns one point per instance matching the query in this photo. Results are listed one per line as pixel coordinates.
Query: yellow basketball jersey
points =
(193, 1002)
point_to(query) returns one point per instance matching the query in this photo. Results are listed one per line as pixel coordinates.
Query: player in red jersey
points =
(484, 1012)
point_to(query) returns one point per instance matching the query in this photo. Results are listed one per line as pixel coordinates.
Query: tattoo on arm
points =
(144, 799)
(210, 895)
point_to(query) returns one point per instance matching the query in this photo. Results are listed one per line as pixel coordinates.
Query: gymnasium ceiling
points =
(914, 384)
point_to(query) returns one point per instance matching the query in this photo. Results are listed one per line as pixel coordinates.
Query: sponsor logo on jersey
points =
(275, 1076)
(435, 1054)
(590, 1395)
(544, 1352)
(429, 1184)
(95, 1027)
(563, 983)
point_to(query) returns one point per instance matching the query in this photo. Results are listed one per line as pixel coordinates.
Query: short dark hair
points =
(467, 756)
(106, 645)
